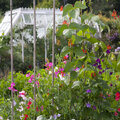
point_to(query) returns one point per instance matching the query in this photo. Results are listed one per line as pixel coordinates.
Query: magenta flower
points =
(28, 75)
(12, 87)
(32, 77)
(37, 83)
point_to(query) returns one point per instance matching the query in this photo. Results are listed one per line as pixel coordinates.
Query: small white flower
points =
(1, 118)
(50, 72)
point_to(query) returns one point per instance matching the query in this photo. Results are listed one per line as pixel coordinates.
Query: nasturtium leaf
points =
(61, 29)
(78, 4)
(67, 9)
(69, 67)
(92, 40)
(76, 84)
(73, 75)
(74, 13)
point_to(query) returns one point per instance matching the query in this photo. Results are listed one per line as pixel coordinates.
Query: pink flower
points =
(37, 83)
(118, 109)
(64, 62)
(42, 108)
(30, 81)
(12, 87)
(116, 114)
(117, 96)
(28, 75)
(22, 94)
(49, 65)
(32, 77)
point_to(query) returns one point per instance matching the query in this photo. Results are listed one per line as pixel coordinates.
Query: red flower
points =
(61, 8)
(28, 107)
(93, 74)
(116, 114)
(118, 109)
(117, 97)
(29, 103)
(84, 51)
(37, 109)
(26, 116)
(108, 47)
(65, 22)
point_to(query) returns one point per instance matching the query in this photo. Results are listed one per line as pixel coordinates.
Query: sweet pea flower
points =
(88, 105)
(42, 108)
(108, 51)
(26, 116)
(28, 75)
(88, 91)
(117, 96)
(12, 87)
(22, 94)
(116, 114)
(118, 109)
(1, 118)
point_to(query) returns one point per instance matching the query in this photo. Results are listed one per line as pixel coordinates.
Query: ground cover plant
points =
(87, 78)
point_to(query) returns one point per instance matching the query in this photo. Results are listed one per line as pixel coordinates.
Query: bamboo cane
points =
(34, 54)
(11, 42)
(53, 52)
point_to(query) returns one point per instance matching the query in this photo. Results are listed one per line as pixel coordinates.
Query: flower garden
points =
(83, 83)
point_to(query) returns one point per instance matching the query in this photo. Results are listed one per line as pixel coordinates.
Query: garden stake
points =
(34, 54)
(11, 42)
(53, 52)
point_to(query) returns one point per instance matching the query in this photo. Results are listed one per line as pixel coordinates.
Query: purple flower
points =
(108, 51)
(99, 67)
(111, 84)
(42, 108)
(98, 60)
(88, 105)
(102, 60)
(95, 64)
(88, 91)
(94, 107)
(58, 115)
(103, 71)
(55, 116)
(100, 72)
(111, 73)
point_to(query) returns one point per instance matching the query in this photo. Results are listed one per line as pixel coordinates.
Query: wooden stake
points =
(11, 42)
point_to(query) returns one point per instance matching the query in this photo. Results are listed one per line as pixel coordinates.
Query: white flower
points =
(21, 117)
(62, 78)
(50, 72)
(1, 118)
